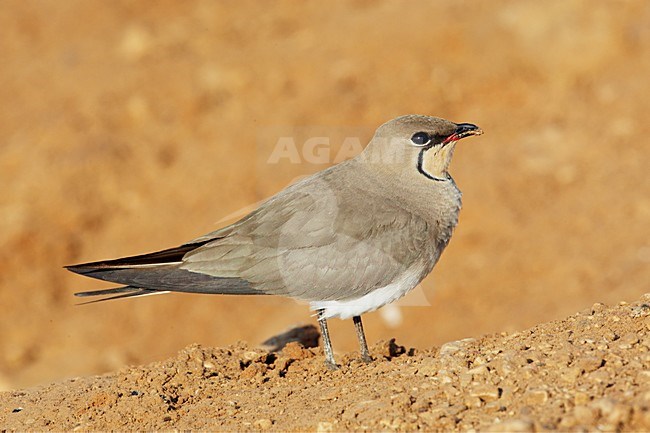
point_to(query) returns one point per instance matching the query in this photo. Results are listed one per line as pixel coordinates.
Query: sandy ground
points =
(590, 371)
(126, 128)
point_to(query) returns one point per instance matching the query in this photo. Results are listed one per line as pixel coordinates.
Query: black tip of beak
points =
(464, 128)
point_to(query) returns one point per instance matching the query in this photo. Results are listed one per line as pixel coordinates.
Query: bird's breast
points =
(441, 211)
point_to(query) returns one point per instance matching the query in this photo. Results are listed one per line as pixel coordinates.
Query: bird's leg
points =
(363, 346)
(327, 343)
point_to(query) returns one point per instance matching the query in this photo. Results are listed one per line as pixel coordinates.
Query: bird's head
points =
(421, 143)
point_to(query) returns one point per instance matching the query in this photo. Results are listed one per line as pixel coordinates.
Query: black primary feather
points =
(146, 274)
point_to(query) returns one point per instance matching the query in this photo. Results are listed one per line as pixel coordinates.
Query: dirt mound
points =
(588, 371)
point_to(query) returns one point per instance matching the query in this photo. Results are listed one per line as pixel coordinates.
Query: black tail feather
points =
(158, 272)
(168, 256)
(113, 291)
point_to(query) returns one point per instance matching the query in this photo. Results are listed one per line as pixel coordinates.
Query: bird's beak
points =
(463, 130)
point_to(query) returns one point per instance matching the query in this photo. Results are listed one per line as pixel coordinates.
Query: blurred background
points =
(127, 127)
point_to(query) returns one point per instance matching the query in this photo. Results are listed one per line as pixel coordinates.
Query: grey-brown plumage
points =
(347, 240)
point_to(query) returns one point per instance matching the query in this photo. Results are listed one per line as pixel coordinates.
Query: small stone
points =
(535, 396)
(646, 322)
(393, 424)
(485, 392)
(402, 401)
(263, 424)
(450, 348)
(645, 342)
(295, 350)
(642, 377)
(324, 427)
(254, 370)
(450, 391)
(454, 410)
(421, 405)
(570, 374)
(444, 377)
(331, 395)
(588, 363)
(598, 307)
(506, 364)
(472, 401)
(512, 425)
(620, 414)
(585, 415)
(628, 340)
(581, 398)
(250, 356)
(479, 360)
(601, 376)
(640, 310)
(430, 417)
(613, 412)
(566, 422)
(465, 379)
(481, 370)
(428, 368)
(604, 405)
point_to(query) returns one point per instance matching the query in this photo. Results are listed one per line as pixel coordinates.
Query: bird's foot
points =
(365, 357)
(331, 365)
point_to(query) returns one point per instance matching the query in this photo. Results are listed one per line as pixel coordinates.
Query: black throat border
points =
(421, 170)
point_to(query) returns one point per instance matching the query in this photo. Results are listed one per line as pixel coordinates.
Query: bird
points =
(346, 240)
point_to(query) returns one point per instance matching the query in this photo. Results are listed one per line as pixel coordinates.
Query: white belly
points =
(373, 300)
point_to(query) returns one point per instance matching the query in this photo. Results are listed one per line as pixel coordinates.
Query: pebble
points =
(570, 374)
(642, 377)
(455, 346)
(449, 348)
(581, 398)
(485, 392)
(512, 425)
(646, 322)
(481, 370)
(505, 365)
(473, 401)
(428, 367)
(612, 411)
(585, 415)
(598, 307)
(628, 340)
(536, 396)
(601, 376)
(324, 427)
(444, 377)
(640, 310)
(250, 356)
(331, 395)
(263, 424)
(588, 363)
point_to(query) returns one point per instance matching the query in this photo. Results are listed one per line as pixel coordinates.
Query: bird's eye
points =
(420, 139)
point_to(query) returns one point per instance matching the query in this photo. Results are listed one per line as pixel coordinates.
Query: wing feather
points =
(322, 239)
